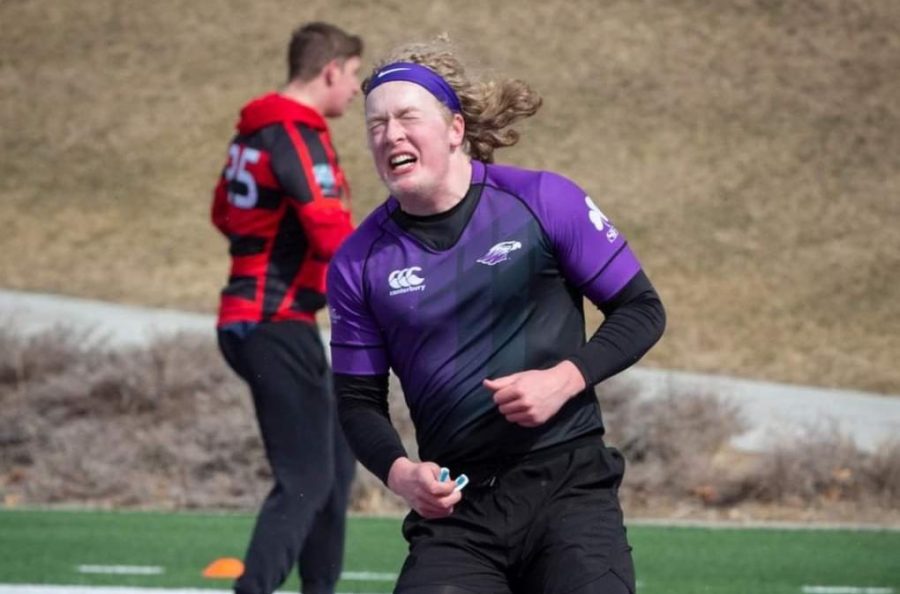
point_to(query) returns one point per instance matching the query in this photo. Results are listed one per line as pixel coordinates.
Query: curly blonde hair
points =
(489, 107)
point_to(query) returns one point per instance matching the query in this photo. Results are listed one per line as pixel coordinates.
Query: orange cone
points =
(224, 568)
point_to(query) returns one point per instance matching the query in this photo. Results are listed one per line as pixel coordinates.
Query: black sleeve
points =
(363, 410)
(635, 320)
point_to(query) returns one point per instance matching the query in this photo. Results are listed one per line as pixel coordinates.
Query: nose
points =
(393, 131)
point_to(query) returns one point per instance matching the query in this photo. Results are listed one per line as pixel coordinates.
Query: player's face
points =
(411, 137)
(343, 78)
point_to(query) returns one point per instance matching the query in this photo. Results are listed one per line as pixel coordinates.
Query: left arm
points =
(635, 320)
(325, 219)
(594, 257)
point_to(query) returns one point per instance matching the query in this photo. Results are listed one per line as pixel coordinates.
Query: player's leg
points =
(618, 579)
(321, 559)
(579, 543)
(464, 553)
(609, 583)
(286, 369)
(231, 345)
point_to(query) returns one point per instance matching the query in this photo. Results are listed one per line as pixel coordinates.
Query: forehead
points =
(393, 97)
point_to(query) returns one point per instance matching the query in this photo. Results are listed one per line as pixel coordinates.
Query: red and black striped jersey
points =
(283, 203)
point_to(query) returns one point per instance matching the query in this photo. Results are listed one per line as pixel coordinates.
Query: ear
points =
(330, 72)
(457, 130)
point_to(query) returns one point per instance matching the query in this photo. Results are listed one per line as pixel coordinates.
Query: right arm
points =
(360, 366)
(366, 421)
(363, 410)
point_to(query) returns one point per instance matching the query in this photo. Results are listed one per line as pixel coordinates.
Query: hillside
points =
(749, 149)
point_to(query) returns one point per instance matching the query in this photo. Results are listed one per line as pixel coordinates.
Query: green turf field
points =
(48, 547)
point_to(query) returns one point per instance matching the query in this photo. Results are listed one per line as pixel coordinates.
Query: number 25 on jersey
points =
(242, 191)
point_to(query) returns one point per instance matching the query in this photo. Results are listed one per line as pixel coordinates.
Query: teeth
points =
(398, 160)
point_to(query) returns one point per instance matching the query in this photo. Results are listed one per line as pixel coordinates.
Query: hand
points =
(531, 398)
(417, 483)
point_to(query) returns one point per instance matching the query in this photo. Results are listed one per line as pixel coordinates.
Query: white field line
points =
(42, 589)
(357, 576)
(121, 569)
(845, 590)
(762, 525)
(368, 576)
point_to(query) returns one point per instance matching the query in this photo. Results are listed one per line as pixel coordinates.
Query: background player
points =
(283, 203)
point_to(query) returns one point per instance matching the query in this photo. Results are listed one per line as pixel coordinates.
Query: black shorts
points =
(546, 525)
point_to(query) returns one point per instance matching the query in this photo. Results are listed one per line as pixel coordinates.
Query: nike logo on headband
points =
(383, 72)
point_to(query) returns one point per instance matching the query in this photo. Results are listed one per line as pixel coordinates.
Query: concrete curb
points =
(772, 411)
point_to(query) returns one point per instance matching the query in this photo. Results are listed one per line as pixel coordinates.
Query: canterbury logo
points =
(406, 280)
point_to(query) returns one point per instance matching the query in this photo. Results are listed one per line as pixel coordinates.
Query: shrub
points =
(168, 425)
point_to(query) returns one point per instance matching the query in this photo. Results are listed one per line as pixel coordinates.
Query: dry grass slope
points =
(750, 149)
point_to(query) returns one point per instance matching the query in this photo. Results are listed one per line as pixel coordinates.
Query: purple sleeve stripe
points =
(350, 345)
(605, 266)
(614, 275)
(358, 360)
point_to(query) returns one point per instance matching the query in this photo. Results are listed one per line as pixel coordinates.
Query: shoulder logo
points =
(600, 220)
(325, 178)
(499, 253)
(406, 280)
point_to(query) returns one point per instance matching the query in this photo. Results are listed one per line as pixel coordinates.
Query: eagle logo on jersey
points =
(499, 253)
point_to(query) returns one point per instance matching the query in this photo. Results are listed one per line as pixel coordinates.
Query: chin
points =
(398, 189)
(394, 180)
(403, 186)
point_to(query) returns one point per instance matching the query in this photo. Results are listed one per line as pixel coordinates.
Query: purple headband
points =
(425, 77)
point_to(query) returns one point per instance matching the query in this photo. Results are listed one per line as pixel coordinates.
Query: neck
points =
(307, 93)
(445, 196)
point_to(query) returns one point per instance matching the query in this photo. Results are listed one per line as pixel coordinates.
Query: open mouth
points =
(401, 162)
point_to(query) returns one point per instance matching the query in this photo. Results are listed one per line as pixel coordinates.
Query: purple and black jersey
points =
(505, 297)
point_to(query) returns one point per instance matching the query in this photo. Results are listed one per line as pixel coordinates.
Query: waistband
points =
(484, 474)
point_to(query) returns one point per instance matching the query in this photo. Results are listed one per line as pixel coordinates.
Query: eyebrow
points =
(402, 112)
(407, 110)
